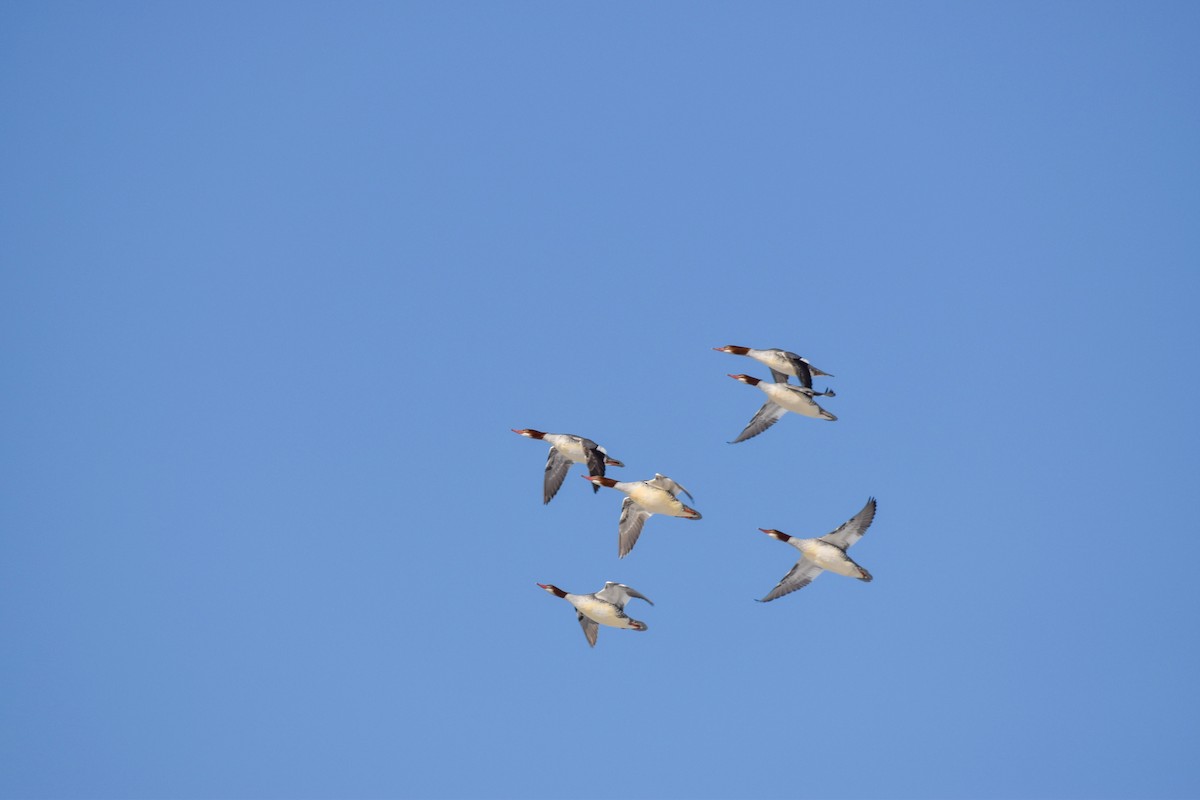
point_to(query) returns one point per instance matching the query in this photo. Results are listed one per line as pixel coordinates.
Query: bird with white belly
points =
(823, 553)
(643, 499)
(781, 398)
(565, 449)
(605, 607)
(781, 363)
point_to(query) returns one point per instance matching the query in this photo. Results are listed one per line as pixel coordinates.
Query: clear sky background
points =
(279, 278)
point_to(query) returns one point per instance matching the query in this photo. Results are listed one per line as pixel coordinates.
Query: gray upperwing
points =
(801, 575)
(618, 594)
(767, 416)
(590, 627)
(779, 376)
(556, 469)
(852, 529)
(803, 373)
(633, 517)
(595, 461)
(671, 485)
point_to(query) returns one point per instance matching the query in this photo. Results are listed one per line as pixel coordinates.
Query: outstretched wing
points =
(780, 377)
(853, 529)
(672, 486)
(767, 416)
(618, 594)
(800, 576)
(556, 469)
(590, 627)
(595, 461)
(803, 373)
(633, 517)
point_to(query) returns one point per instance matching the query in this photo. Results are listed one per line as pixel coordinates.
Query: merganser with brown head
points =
(826, 552)
(643, 499)
(605, 607)
(781, 363)
(565, 449)
(781, 398)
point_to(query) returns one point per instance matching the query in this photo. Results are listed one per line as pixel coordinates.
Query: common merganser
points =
(781, 398)
(564, 449)
(605, 607)
(826, 552)
(644, 498)
(781, 363)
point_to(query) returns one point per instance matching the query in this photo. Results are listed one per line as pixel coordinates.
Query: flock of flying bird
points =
(660, 495)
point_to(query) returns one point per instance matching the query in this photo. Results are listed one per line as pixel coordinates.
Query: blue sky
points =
(278, 280)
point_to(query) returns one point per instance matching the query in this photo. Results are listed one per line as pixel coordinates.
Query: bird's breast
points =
(655, 500)
(602, 612)
(828, 556)
(794, 401)
(571, 448)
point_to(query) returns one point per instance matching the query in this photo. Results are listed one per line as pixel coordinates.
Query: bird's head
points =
(600, 480)
(774, 534)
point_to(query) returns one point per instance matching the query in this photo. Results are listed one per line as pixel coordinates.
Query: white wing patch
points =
(672, 486)
(618, 594)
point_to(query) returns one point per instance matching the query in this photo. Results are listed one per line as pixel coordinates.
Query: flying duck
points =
(644, 498)
(826, 552)
(781, 398)
(605, 607)
(566, 448)
(781, 363)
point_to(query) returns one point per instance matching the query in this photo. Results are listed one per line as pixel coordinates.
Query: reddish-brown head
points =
(774, 534)
(737, 350)
(691, 513)
(746, 379)
(552, 589)
(599, 480)
(530, 432)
